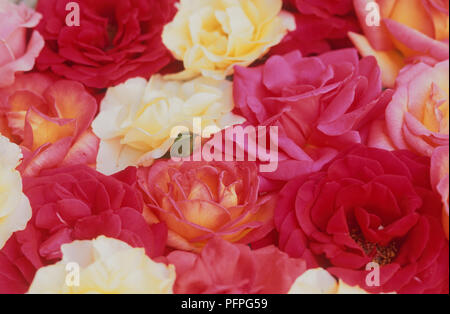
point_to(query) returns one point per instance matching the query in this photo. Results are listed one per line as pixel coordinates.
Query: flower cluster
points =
(135, 137)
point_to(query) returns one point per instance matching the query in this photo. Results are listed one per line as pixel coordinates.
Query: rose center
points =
(382, 255)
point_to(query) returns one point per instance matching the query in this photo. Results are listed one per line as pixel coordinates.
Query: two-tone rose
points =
(409, 31)
(50, 119)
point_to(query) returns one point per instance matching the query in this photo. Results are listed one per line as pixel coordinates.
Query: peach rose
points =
(50, 119)
(202, 200)
(418, 116)
(17, 52)
(409, 30)
(439, 180)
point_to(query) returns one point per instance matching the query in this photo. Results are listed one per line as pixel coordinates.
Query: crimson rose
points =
(116, 39)
(322, 25)
(368, 205)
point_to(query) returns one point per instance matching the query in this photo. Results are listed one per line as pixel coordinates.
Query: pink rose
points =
(17, 52)
(417, 117)
(439, 180)
(223, 268)
(202, 200)
(320, 105)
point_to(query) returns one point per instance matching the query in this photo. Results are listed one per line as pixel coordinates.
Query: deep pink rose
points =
(75, 203)
(368, 205)
(225, 268)
(321, 105)
(18, 50)
(116, 39)
(322, 25)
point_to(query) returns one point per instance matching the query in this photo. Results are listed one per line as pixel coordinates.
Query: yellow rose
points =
(319, 281)
(106, 266)
(136, 118)
(15, 209)
(212, 36)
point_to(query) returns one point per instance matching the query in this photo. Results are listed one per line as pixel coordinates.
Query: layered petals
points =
(50, 119)
(199, 201)
(320, 105)
(223, 268)
(137, 119)
(15, 209)
(106, 42)
(368, 209)
(440, 180)
(417, 118)
(410, 30)
(19, 46)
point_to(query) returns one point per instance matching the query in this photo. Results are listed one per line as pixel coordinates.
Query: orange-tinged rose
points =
(50, 119)
(201, 200)
(409, 30)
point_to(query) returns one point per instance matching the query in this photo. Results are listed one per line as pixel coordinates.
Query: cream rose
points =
(136, 118)
(15, 209)
(106, 266)
(319, 281)
(211, 36)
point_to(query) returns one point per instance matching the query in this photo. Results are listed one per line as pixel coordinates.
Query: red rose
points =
(75, 203)
(115, 40)
(225, 268)
(368, 205)
(322, 25)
